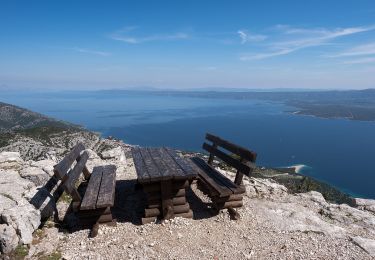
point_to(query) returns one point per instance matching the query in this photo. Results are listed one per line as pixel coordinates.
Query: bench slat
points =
(206, 172)
(187, 168)
(236, 149)
(151, 167)
(91, 195)
(243, 168)
(166, 169)
(73, 174)
(62, 167)
(106, 196)
(140, 166)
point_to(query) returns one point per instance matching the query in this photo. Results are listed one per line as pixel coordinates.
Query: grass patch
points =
(54, 256)
(21, 252)
(65, 197)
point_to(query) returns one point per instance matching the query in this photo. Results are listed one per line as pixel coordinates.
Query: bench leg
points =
(94, 230)
(234, 215)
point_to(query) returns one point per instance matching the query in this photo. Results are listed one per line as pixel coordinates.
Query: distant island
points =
(350, 104)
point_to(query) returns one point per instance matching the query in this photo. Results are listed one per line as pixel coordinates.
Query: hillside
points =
(33, 135)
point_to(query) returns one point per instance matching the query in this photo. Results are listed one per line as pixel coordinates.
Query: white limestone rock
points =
(13, 185)
(366, 244)
(6, 202)
(11, 160)
(46, 165)
(24, 218)
(8, 238)
(35, 175)
(293, 217)
(265, 188)
(365, 204)
(115, 153)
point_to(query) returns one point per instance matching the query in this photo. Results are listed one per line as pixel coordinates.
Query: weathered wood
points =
(243, 168)
(188, 214)
(148, 220)
(183, 163)
(212, 156)
(236, 149)
(94, 230)
(229, 204)
(140, 167)
(181, 208)
(215, 179)
(62, 167)
(179, 201)
(166, 200)
(234, 197)
(154, 212)
(233, 214)
(175, 169)
(155, 186)
(95, 212)
(91, 195)
(165, 170)
(151, 167)
(76, 171)
(175, 201)
(180, 193)
(106, 195)
(207, 175)
(86, 173)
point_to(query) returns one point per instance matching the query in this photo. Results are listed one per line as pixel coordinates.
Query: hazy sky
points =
(187, 44)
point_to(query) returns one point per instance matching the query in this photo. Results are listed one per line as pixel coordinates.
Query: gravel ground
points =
(207, 236)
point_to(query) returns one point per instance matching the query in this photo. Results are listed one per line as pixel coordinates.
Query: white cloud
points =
(303, 38)
(365, 49)
(248, 37)
(361, 61)
(261, 56)
(124, 36)
(100, 53)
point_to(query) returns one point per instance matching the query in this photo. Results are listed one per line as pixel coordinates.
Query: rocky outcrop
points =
(365, 204)
(24, 199)
(115, 153)
(8, 238)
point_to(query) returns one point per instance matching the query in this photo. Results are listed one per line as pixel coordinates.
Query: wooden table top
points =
(158, 164)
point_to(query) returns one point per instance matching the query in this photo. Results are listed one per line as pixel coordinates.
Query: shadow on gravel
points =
(130, 202)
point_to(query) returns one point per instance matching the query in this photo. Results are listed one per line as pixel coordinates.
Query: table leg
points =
(166, 199)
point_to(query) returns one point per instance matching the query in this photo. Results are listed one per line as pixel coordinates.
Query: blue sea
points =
(337, 151)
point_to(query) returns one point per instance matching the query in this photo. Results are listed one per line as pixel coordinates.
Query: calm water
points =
(336, 151)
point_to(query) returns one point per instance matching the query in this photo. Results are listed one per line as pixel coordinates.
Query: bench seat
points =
(220, 185)
(100, 190)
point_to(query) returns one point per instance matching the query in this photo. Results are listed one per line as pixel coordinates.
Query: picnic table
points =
(164, 177)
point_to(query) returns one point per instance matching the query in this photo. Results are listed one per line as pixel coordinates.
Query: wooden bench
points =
(94, 206)
(223, 192)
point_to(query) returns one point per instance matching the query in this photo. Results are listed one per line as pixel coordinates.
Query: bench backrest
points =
(243, 161)
(68, 175)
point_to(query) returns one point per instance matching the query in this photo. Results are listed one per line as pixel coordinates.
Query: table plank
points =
(151, 167)
(140, 166)
(176, 171)
(165, 170)
(188, 170)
